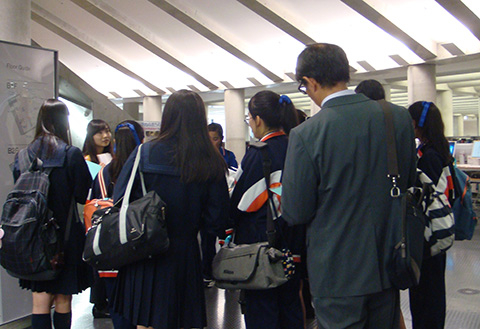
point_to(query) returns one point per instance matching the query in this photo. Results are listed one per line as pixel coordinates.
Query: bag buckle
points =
(395, 191)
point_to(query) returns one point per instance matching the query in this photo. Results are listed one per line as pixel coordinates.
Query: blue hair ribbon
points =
(132, 129)
(284, 99)
(426, 107)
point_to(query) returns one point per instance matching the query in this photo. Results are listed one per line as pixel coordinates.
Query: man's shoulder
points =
(348, 100)
(397, 107)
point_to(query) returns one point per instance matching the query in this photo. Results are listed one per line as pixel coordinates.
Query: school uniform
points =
(278, 307)
(69, 179)
(428, 299)
(166, 291)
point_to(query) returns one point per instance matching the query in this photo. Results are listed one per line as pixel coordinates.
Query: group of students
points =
(188, 172)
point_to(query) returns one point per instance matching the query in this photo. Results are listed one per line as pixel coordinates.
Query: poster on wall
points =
(27, 78)
(151, 129)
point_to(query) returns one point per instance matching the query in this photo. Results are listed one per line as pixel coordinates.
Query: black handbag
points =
(406, 225)
(130, 233)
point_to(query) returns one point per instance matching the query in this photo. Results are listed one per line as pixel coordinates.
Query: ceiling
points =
(131, 48)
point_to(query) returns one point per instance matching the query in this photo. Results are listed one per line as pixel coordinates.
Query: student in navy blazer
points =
(186, 171)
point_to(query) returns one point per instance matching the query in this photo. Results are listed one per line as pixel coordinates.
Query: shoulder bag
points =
(131, 233)
(406, 221)
(95, 204)
(259, 265)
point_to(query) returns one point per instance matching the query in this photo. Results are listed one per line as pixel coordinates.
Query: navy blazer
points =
(189, 206)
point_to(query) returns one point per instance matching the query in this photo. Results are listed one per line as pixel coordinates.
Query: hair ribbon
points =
(426, 107)
(284, 99)
(132, 129)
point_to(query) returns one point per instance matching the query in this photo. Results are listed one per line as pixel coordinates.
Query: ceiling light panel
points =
(102, 77)
(335, 22)
(428, 22)
(474, 6)
(247, 33)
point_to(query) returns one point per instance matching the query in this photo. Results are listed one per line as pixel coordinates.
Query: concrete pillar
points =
(235, 127)
(388, 92)
(421, 83)
(15, 303)
(132, 109)
(445, 105)
(459, 124)
(152, 108)
(478, 120)
(15, 21)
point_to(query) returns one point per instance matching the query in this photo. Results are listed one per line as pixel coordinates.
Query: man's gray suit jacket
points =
(335, 180)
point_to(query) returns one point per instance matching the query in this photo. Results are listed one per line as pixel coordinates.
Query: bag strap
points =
(101, 183)
(267, 168)
(392, 160)
(25, 162)
(126, 197)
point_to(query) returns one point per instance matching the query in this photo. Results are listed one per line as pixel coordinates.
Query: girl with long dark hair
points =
(98, 149)
(183, 167)
(69, 179)
(128, 135)
(98, 141)
(427, 299)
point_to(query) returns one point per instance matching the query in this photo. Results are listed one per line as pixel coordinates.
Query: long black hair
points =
(128, 134)
(52, 124)
(184, 122)
(89, 147)
(429, 124)
(278, 112)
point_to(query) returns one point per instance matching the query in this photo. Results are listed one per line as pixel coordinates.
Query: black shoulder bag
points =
(406, 220)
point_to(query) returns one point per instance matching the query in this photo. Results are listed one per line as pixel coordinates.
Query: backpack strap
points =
(24, 160)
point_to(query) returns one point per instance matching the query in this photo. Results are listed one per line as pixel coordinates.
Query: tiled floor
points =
(463, 296)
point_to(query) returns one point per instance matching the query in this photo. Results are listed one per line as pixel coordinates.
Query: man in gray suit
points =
(335, 180)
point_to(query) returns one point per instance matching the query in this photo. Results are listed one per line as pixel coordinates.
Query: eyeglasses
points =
(247, 120)
(302, 87)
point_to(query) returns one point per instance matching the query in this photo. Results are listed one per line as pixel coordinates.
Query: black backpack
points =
(32, 247)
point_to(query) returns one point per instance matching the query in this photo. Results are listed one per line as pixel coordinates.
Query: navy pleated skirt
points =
(166, 291)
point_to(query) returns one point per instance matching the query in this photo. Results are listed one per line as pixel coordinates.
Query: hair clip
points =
(426, 107)
(284, 99)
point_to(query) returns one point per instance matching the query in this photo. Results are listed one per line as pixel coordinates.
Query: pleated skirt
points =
(166, 291)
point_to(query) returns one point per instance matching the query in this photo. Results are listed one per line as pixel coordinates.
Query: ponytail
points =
(288, 114)
(278, 112)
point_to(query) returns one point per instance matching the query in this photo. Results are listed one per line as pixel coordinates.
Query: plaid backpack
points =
(31, 246)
